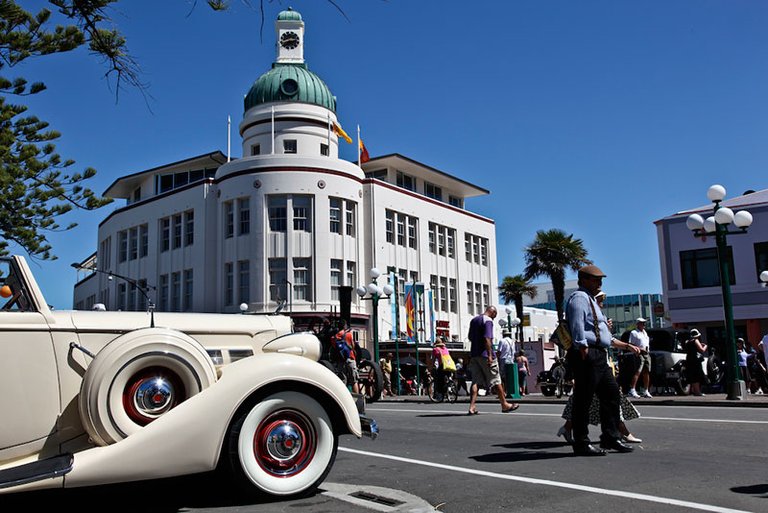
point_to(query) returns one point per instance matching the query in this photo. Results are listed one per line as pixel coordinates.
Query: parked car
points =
(96, 397)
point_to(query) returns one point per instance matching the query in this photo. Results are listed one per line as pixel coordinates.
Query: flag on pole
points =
(364, 156)
(341, 133)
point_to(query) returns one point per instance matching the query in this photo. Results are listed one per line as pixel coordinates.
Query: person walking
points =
(386, 371)
(639, 337)
(742, 354)
(439, 353)
(694, 372)
(522, 372)
(461, 377)
(483, 365)
(505, 352)
(588, 357)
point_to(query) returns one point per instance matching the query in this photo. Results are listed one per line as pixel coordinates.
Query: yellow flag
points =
(341, 133)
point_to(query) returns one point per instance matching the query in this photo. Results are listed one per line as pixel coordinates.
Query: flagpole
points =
(273, 130)
(229, 138)
(358, 145)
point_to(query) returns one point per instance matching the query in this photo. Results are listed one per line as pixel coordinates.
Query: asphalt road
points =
(693, 458)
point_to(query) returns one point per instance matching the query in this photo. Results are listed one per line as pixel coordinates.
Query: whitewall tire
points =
(282, 445)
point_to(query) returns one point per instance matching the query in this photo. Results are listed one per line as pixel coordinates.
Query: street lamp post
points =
(374, 293)
(717, 224)
(511, 370)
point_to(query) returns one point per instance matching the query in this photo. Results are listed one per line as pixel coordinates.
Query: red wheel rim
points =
(284, 443)
(151, 393)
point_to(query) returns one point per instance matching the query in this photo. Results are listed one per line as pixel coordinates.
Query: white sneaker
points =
(633, 393)
(632, 439)
(647, 394)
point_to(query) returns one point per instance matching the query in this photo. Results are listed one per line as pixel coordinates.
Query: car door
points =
(29, 397)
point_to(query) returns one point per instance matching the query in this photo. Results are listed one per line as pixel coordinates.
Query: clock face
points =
(289, 40)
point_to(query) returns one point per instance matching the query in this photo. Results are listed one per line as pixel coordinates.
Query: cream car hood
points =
(190, 323)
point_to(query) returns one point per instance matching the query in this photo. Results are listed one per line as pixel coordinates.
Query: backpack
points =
(342, 349)
(561, 337)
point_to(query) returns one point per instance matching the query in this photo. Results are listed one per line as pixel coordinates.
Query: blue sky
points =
(595, 117)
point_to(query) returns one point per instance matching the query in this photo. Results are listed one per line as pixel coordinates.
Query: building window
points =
(176, 231)
(189, 227)
(406, 181)
(163, 292)
(401, 229)
(122, 244)
(699, 268)
(256, 149)
(402, 277)
(170, 181)
(244, 207)
(350, 218)
(229, 219)
(301, 209)
(277, 279)
(441, 240)
(324, 150)
(302, 279)
(133, 243)
(141, 296)
(335, 278)
(351, 274)
(412, 243)
(165, 234)
(761, 258)
(105, 255)
(335, 215)
(475, 250)
(276, 211)
(122, 289)
(378, 174)
(188, 289)
(176, 291)
(433, 191)
(244, 281)
(455, 201)
(450, 238)
(470, 298)
(131, 306)
(432, 228)
(443, 294)
(435, 291)
(390, 226)
(136, 194)
(468, 247)
(486, 297)
(289, 146)
(484, 251)
(229, 284)
(478, 299)
(453, 305)
(143, 240)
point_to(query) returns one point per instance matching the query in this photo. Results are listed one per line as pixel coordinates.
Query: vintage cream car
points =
(96, 397)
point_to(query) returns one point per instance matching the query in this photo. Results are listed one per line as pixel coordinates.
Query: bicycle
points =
(451, 392)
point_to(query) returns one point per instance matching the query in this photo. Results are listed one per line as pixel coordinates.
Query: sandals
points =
(472, 412)
(511, 408)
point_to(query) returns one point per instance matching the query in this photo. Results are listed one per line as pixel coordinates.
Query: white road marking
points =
(558, 484)
(519, 413)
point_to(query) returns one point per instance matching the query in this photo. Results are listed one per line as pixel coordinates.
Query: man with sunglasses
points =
(588, 357)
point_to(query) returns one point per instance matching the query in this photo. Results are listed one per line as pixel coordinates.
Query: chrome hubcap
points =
(152, 393)
(284, 443)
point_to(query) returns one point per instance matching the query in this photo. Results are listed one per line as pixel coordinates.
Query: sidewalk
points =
(749, 401)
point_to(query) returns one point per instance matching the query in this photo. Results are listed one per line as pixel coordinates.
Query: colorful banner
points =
(393, 303)
(410, 314)
(431, 306)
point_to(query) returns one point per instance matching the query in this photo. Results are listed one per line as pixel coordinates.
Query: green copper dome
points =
(289, 15)
(290, 83)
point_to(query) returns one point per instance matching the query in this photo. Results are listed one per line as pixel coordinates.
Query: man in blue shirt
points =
(588, 357)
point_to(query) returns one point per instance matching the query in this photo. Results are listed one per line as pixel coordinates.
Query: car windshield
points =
(13, 294)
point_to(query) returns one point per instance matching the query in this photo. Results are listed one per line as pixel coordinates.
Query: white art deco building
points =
(291, 221)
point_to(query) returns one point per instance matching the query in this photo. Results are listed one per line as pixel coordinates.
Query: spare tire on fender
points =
(137, 378)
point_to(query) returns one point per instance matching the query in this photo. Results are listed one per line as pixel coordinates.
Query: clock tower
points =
(290, 37)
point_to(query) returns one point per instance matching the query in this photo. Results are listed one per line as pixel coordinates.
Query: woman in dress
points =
(694, 373)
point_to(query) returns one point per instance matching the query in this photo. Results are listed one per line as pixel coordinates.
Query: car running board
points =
(36, 471)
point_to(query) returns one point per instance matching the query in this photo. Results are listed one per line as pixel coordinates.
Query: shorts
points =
(350, 371)
(644, 362)
(484, 374)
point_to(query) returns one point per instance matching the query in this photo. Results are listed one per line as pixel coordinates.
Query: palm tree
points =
(512, 289)
(551, 254)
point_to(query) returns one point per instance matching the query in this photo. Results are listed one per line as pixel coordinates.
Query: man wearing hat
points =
(639, 337)
(505, 352)
(588, 357)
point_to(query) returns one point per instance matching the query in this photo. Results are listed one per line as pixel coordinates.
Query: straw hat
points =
(695, 333)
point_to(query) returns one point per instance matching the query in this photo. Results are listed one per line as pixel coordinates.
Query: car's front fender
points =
(189, 438)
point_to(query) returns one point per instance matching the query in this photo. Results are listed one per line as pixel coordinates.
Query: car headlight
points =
(303, 344)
